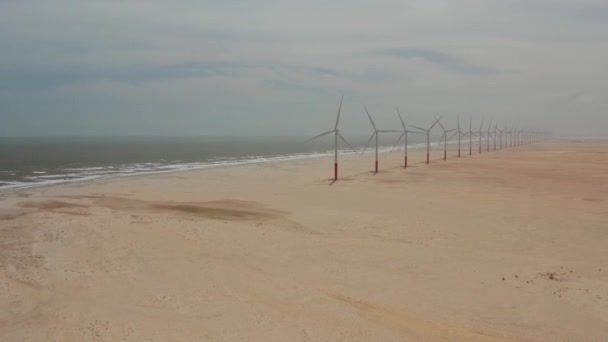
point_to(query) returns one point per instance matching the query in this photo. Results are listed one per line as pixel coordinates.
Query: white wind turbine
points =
(519, 136)
(459, 133)
(488, 135)
(444, 137)
(404, 135)
(480, 134)
(337, 135)
(501, 132)
(511, 133)
(470, 133)
(375, 134)
(428, 138)
(495, 134)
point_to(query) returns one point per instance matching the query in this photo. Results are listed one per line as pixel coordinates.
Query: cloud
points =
(246, 61)
(443, 60)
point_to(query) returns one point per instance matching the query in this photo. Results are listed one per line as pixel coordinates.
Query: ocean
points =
(38, 161)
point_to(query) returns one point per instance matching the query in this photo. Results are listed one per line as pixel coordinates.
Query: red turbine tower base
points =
(336, 171)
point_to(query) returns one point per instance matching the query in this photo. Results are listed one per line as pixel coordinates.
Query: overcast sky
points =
(270, 67)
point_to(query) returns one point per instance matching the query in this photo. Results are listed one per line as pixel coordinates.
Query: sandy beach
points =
(506, 245)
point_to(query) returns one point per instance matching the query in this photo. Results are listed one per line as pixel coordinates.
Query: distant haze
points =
(270, 67)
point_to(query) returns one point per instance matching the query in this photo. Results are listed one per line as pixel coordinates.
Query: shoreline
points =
(238, 163)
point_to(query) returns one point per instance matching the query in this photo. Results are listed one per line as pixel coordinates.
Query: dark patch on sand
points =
(589, 199)
(11, 215)
(50, 205)
(555, 276)
(211, 212)
(58, 207)
(230, 210)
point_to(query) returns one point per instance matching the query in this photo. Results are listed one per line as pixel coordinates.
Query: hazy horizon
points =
(270, 68)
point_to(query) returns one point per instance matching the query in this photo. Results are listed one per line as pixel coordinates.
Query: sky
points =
(270, 67)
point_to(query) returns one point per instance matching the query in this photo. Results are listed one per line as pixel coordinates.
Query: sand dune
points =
(507, 245)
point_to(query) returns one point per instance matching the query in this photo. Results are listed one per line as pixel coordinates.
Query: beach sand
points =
(507, 245)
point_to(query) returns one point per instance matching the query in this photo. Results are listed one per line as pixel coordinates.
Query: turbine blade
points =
(339, 110)
(370, 118)
(346, 142)
(420, 128)
(320, 135)
(388, 131)
(400, 118)
(370, 140)
(439, 122)
(458, 121)
(398, 140)
(436, 122)
(453, 135)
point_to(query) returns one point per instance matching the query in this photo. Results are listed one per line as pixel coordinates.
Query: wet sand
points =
(506, 245)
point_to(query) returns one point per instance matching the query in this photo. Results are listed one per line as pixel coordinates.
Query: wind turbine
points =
(488, 137)
(501, 132)
(337, 135)
(495, 134)
(404, 134)
(444, 137)
(480, 134)
(511, 133)
(470, 133)
(428, 138)
(459, 133)
(375, 134)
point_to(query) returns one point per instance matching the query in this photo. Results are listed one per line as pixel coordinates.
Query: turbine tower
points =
(495, 134)
(470, 133)
(337, 136)
(488, 136)
(459, 133)
(480, 135)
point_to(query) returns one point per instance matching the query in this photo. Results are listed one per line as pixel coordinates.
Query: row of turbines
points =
(503, 137)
